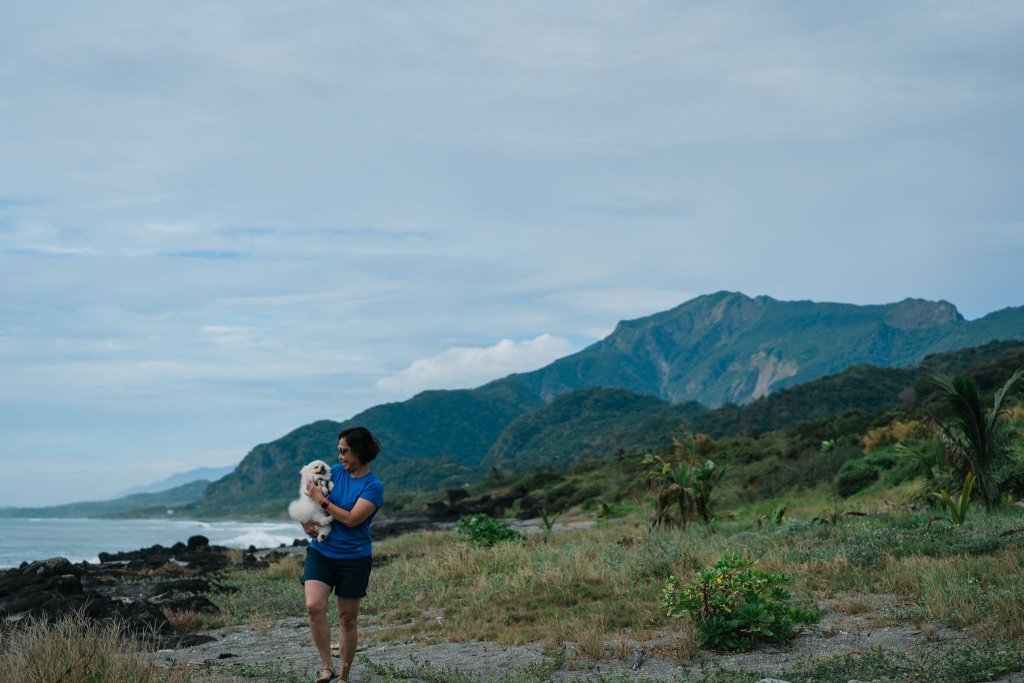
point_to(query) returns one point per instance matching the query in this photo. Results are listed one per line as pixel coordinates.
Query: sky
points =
(222, 221)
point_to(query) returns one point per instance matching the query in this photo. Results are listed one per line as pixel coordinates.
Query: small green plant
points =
(606, 510)
(957, 509)
(776, 516)
(484, 531)
(547, 522)
(733, 605)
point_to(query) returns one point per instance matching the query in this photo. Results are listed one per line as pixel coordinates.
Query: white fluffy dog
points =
(304, 508)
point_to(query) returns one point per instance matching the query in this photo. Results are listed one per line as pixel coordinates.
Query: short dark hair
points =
(362, 442)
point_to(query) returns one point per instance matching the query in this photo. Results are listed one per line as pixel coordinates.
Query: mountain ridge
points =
(718, 349)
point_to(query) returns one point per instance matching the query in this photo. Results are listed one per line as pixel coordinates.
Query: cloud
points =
(261, 215)
(463, 367)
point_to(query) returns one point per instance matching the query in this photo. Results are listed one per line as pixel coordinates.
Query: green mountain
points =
(594, 423)
(436, 438)
(730, 348)
(724, 349)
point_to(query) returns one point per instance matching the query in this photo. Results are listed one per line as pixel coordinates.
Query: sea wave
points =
(84, 539)
(261, 539)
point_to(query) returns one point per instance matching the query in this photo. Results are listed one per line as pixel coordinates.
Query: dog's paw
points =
(322, 536)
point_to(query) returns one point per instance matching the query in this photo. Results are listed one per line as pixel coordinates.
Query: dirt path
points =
(283, 652)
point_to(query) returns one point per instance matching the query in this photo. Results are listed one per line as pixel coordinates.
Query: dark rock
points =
(250, 561)
(198, 541)
(129, 586)
(457, 494)
(190, 603)
(396, 525)
(435, 510)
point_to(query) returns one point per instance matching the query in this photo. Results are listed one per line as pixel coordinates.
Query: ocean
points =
(30, 539)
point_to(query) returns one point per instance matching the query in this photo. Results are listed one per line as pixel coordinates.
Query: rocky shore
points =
(135, 587)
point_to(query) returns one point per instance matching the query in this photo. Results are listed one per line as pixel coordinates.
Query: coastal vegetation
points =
(73, 648)
(873, 510)
(604, 582)
(594, 587)
(592, 594)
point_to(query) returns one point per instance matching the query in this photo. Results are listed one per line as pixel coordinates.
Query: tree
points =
(974, 437)
(685, 482)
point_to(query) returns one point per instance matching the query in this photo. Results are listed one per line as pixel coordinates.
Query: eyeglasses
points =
(343, 450)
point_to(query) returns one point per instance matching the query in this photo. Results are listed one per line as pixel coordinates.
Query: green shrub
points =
(733, 605)
(855, 475)
(484, 531)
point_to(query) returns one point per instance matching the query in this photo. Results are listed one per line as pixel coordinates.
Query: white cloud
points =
(259, 211)
(463, 367)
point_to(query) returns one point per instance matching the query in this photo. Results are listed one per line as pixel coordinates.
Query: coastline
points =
(84, 539)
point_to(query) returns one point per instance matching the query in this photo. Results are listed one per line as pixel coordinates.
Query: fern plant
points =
(957, 508)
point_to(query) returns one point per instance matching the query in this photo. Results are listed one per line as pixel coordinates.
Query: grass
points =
(950, 662)
(263, 596)
(592, 594)
(75, 649)
(604, 584)
(964, 663)
(427, 672)
(611, 578)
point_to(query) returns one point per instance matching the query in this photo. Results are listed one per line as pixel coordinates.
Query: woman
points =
(342, 561)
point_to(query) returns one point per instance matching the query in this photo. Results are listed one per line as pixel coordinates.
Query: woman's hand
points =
(310, 528)
(314, 492)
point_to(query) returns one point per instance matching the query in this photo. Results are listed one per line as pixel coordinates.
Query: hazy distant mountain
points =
(150, 505)
(175, 480)
(716, 349)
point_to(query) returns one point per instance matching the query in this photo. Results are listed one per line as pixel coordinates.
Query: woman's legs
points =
(317, 593)
(348, 615)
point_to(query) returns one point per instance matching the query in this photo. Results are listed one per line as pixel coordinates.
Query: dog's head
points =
(314, 470)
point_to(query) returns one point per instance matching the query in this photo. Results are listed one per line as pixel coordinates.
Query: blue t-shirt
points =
(351, 542)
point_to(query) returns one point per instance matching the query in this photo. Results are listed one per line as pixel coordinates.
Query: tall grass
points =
(609, 579)
(75, 649)
(595, 593)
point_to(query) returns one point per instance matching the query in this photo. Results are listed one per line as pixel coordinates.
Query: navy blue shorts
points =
(348, 577)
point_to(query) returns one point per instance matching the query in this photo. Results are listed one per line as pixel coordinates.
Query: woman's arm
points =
(350, 518)
(354, 517)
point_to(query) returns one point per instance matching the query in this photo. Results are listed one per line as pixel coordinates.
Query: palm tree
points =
(974, 437)
(684, 482)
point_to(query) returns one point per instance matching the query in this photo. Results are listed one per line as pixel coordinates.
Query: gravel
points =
(284, 652)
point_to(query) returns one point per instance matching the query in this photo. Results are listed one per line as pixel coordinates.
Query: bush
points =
(485, 531)
(733, 606)
(855, 475)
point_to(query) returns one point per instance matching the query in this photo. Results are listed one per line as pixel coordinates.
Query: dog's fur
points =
(304, 508)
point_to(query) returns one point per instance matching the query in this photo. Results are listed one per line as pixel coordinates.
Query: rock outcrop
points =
(141, 588)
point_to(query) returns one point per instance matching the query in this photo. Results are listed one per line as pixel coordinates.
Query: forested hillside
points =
(719, 349)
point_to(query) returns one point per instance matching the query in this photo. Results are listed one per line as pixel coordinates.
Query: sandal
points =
(330, 676)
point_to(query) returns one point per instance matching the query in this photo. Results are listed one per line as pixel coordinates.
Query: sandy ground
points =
(283, 652)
